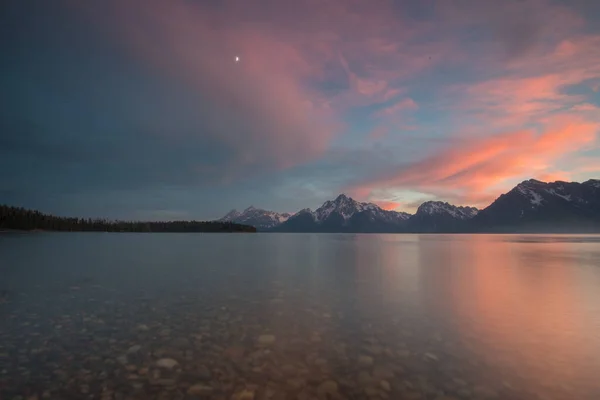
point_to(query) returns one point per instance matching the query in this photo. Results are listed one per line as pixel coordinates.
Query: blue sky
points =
(138, 110)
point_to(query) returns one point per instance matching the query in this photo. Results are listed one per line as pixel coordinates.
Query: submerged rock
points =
(327, 388)
(365, 361)
(134, 349)
(385, 385)
(168, 363)
(245, 394)
(266, 340)
(200, 389)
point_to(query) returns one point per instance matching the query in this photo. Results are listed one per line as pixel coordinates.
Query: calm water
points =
(299, 316)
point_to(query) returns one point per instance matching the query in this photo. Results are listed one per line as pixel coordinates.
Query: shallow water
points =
(299, 316)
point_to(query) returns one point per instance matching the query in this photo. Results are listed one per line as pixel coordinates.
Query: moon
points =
(237, 59)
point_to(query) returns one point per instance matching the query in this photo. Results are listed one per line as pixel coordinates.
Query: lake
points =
(299, 316)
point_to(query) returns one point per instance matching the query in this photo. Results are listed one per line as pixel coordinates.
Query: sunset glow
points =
(391, 102)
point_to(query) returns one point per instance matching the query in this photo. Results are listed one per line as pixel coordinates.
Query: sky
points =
(138, 109)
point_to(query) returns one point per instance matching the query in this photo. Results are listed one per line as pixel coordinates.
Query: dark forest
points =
(16, 218)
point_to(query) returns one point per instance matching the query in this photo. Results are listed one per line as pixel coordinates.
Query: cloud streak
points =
(450, 100)
(472, 173)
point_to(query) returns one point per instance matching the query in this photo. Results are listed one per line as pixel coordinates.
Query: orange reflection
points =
(517, 305)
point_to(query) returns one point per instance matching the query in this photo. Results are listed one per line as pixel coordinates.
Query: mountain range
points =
(531, 206)
(256, 217)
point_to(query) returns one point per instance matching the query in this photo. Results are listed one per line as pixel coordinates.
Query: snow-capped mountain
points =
(531, 206)
(438, 216)
(344, 206)
(538, 206)
(345, 214)
(441, 208)
(256, 217)
(347, 207)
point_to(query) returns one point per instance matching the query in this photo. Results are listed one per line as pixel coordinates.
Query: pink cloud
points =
(286, 53)
(272, 111)
(387, 205)
(259, 107)
(531, 88)
(475, 173)
(585, 107)
(554, 176)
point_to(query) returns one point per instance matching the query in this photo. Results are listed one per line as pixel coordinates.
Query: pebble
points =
(200, 389)
(165, 382)
(383, 372)
(203, 373)
(245, 394)
(289, 369)
(168, 363)
(134, 349)
(364, 378)
(327, 387)
(266, 340)
(296, 383)
(385, 385)
(365, 361)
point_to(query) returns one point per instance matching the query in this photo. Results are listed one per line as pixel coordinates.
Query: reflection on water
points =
(295, 316)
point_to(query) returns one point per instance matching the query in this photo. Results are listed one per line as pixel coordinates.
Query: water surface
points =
(299, 316)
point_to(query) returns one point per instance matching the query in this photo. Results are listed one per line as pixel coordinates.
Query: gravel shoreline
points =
(88, 342)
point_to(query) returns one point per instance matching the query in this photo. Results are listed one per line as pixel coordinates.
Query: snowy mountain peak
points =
(231, 215)
(259, 218)
(593, 182)
(530, 184)
(342, 205)
(347, 207)
(440, 207)
(534, 182)
(542, 193)
(342, 198)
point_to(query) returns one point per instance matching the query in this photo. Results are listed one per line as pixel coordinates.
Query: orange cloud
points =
(534, 86)
(554, 176)
(476, 172)
(370, 54)
(387, 205)
(585, 107)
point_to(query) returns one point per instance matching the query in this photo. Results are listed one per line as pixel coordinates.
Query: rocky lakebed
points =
(85, 341)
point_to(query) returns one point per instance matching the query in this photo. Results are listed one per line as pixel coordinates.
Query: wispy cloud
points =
(475, 172)
(452, 100)
(407, 104)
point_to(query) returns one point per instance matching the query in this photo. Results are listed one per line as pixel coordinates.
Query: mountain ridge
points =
(257, 217)
(531, 205)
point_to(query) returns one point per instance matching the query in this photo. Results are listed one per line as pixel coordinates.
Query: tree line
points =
(18, 218)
